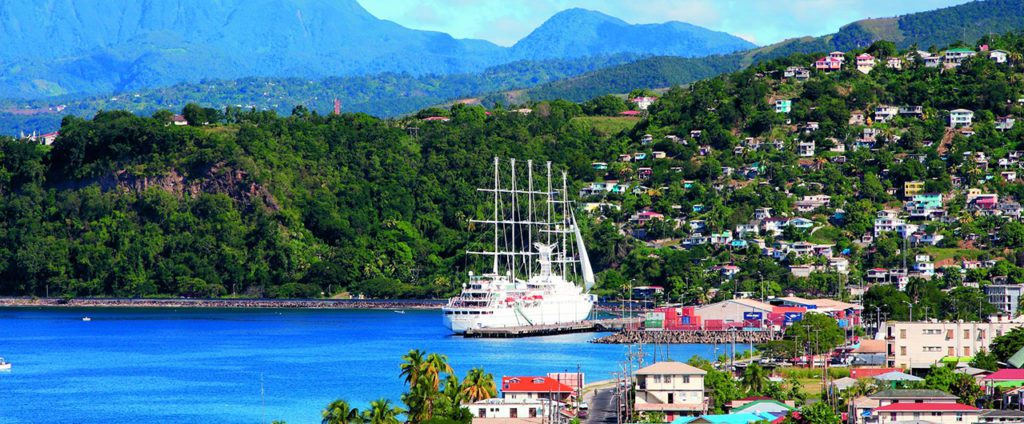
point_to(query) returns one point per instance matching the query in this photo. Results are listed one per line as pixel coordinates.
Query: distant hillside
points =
(939, 27)
(387, 94)
(68, 47)
(579, 32)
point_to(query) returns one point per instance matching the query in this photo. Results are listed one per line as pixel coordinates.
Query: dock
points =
(589, 326)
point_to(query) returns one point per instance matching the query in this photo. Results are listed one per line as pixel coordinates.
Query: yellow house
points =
(673, 388)
(913, 188)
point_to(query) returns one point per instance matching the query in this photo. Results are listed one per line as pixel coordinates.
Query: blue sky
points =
(760, 21)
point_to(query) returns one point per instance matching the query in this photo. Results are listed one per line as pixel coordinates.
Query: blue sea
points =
(246, 366)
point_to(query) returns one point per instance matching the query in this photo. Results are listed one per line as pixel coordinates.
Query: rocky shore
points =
(226, 303)
(688, 337)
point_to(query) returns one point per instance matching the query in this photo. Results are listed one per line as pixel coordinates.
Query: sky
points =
(760, 21)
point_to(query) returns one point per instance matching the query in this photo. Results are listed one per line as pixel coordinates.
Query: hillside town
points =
(874, 259)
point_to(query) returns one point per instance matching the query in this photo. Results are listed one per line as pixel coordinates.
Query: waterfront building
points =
(673, 388)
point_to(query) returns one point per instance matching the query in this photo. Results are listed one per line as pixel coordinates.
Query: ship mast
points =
(496, 162)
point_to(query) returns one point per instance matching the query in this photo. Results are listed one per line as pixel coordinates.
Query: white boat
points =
(538, 255)
(4, 365)
(86, 319)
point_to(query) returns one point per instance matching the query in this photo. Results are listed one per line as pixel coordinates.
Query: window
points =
(932, 349)
(668, 378)
(671, 398)
(967, 351)
(932, 331)
(903, 333)
(686, 379)
(513, 413)
(949, 334)
(482, 413)
(657, 379)
(959, 417)
(533, 412)
(967, 334)
(950, 351)
(917, 415)
(903, 350)
(892, 416)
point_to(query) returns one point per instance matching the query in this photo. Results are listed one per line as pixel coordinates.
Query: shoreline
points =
(383, 304)
(367, 304)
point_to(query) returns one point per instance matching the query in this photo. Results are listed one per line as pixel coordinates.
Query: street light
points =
(911, 310)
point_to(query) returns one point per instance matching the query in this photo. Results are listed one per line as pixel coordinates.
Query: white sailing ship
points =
(538, 254)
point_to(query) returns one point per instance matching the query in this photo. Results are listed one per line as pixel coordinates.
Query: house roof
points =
(1006, 374)
(927, 406)
(1017, 360)
(533, 385)
(870, 346)
(670, 367)
(771, 405)
(912, 394)
(724, 419)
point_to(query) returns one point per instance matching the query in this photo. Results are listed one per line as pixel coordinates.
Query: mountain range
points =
(60, 47)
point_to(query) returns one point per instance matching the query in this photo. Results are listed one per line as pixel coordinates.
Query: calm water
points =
(205, 366)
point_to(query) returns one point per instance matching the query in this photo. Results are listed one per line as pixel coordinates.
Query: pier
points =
(590, 326)
(690, 337)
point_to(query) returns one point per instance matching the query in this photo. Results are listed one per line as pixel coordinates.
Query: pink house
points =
(828, 64)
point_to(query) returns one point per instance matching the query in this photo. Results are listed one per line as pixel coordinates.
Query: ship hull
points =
(547, 312)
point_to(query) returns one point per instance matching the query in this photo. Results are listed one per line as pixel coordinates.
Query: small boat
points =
(86, 319)
(4, 365)
(399, 311)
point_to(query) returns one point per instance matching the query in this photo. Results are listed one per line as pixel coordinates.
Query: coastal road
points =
(602, 407)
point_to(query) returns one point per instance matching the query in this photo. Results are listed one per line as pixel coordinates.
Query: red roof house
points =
(534, 388)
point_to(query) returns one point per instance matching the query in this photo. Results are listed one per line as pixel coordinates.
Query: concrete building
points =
(921, 344)
(960, 117)
(518, 411)
(1005, 297)
(863, 409)
(673, 388)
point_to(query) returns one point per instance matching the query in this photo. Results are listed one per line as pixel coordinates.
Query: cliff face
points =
(218, 178)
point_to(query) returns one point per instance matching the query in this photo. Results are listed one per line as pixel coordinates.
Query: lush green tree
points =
(1003, 347)
(340, 412)
(985, 360)
(816, 333)
(754, 380)
(478, 385)
(382, 411)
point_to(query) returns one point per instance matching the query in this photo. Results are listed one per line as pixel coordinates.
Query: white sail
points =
(587, 270)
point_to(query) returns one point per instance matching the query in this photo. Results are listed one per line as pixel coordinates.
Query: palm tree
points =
(419, 400)
(382, 411)
(412, 365)
(754, 379)
(436, 365)
(478, 385)
(340, 412)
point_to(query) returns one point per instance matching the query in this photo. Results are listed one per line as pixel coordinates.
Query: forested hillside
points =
(888, 169)
(388, 94)
(931, 29)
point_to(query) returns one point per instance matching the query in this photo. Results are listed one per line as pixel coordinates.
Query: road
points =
(602, 407)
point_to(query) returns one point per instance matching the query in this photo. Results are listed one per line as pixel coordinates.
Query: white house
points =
(672, 388)
(960, 117)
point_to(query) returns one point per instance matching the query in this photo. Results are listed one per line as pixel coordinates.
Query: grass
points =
(608, 125)
(826, 235)
(943, 253)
